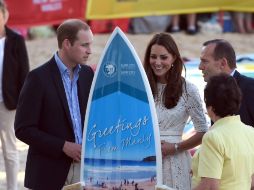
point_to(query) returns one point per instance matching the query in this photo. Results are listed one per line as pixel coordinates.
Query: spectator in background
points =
(14, 67)
(218, 56)
(243, 22)
(225, 159)
(176, 100)
(149, 24)
(191, 24)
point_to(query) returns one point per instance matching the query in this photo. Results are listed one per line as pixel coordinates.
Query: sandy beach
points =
(40, 50)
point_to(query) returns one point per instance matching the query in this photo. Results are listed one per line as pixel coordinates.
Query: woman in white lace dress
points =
(176, 100)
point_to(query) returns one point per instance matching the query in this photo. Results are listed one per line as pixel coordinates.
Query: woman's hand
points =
(167, 148)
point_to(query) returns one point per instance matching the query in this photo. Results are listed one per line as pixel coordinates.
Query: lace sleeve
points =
(195, 107)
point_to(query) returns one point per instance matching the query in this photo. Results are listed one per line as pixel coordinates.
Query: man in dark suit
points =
(14, 67)
(219, 56)
(51, 110)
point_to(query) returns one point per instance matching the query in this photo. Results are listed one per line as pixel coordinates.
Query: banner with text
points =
(98, 9)
(43, 12)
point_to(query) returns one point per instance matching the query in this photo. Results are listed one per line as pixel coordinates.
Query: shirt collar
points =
(232, 73)
(62, 66)
(222, 121)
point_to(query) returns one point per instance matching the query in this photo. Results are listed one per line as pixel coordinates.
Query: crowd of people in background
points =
(193, 23)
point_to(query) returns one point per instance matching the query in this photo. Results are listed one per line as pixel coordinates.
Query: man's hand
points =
(72, 150)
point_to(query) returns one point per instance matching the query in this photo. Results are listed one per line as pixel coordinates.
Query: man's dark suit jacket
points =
(246, 85)
(15, 68)
(43, 122)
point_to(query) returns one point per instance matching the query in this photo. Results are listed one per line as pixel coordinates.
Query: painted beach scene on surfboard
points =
(121, 143)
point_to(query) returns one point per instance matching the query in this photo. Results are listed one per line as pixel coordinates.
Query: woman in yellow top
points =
(225, 160)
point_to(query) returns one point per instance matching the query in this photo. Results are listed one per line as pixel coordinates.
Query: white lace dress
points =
(176, 168)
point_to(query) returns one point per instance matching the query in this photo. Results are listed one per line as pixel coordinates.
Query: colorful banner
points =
(27, 13)
(106, 9)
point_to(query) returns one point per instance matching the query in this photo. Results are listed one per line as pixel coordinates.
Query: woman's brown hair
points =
(175, 81)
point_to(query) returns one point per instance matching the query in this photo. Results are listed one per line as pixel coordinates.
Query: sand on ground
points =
(40, 50)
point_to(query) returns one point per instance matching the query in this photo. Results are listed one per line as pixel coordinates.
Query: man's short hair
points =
(69, 29)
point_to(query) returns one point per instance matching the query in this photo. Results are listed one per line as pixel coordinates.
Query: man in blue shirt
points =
(51, 110)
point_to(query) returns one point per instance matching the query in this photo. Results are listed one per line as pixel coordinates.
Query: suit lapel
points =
(237, 76)
(55, 73)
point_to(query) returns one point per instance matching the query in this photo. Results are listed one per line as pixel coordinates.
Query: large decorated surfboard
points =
(121, 144)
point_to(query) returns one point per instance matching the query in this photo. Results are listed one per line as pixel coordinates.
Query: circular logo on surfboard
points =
(109, 69)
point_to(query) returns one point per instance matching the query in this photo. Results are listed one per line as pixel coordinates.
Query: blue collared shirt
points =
(71, 92)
